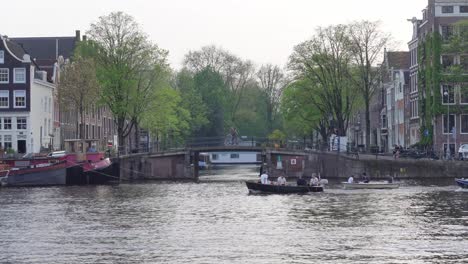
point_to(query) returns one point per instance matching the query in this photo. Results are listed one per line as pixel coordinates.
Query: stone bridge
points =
(180, 164)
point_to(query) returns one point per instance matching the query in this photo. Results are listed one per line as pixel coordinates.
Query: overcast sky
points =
(264, 31)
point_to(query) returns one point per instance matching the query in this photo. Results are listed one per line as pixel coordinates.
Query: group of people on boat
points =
(281, 180)
(364, 178)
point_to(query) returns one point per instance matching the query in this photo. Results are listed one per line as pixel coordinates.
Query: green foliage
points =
(277, 136)
(210, 85)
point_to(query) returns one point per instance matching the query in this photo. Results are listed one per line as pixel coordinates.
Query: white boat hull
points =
(372, 185)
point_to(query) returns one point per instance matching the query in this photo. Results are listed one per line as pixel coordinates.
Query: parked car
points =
(463, 151)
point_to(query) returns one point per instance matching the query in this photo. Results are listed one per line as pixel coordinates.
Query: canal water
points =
(217, 221)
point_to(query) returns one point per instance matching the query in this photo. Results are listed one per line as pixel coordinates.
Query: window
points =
(447, 61)
(463, 9)
(4, 99)
(384, 121)
(464, 93)
(7, 142)
(464, 123)
(447, 32)
(50, 106)
(464, 62)
(19, 75)
(447, 9)
(7, 123)
(20, 99)
(448, 94)
(4, 75)
(451, 124)
(21, 123)
(234, 155)
(2, 56)
(214, 156)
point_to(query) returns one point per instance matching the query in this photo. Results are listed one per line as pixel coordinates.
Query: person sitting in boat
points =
(351, 179)
(264, 178)
(281, 180)
(314, 181)
(301, 181)
(365, 178)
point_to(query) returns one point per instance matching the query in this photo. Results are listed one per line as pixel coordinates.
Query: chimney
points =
(77, 35)
(85, 38)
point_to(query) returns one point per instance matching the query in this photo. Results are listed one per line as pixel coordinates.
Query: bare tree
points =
(367, 42)
(272, 81)
(78, 90)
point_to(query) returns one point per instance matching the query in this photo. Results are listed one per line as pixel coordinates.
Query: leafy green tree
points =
(325, 62)
(192, 101)
(127, 67)
(210, 85)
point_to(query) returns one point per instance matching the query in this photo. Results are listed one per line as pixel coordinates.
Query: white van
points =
(463, 152)
(57, 154)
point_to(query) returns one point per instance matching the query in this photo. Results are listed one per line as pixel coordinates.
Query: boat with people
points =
(256, 187)
(370, 185)
(462, 182)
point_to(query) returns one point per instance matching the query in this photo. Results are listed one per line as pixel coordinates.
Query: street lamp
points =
(447, 149)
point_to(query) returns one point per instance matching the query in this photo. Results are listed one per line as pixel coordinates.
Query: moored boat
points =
(271, 188)
(371, 185)
(462, 182)
(36, 175)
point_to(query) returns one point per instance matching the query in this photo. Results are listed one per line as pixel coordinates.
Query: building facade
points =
(51, 54)
(441, 70)
(26, 98)
(395, 79)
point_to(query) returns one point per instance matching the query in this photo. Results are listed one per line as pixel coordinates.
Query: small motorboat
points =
(256, 187)
(370, 185)
(462, 182)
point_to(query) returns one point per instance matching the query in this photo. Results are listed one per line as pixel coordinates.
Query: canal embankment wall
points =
(331, 165)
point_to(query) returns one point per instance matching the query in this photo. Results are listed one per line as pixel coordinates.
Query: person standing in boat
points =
(281, 180)
(351, 179)
(264, 178)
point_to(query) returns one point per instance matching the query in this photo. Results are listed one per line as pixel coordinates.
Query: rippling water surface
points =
(216, 221)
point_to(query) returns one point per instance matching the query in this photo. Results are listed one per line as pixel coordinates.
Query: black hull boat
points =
(270, 188)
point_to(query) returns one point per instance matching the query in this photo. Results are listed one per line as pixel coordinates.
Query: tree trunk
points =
(137, 136)
(368, 129)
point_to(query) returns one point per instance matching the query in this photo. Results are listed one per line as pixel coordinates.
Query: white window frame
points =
(17, 123)
(2, 56)
(460, 90)
(463, 133)
(7, 73)
(15, 70)
(11, 123)
(445, 125)
(2, 93)
(14, 98)
(454, 89)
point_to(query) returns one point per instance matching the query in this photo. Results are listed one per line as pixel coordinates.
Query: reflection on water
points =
(216, 221)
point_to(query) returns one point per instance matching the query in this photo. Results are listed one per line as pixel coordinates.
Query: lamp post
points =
(447, 149)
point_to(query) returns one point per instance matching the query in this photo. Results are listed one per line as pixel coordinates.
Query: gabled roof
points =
(48, 48)
(398, 59)
(14, 49)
